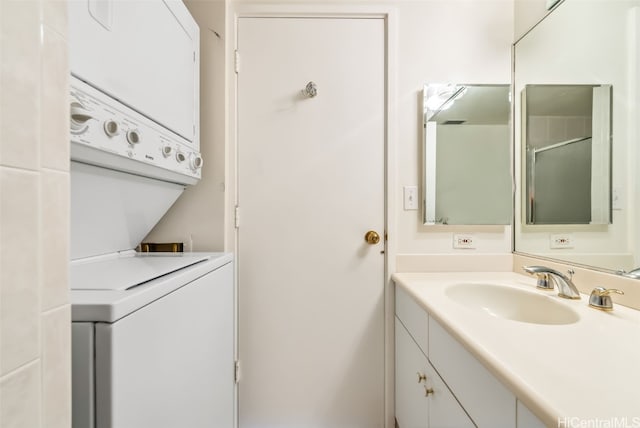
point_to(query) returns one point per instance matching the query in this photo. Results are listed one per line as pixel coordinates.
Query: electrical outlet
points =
(464, 241)
(561, 241)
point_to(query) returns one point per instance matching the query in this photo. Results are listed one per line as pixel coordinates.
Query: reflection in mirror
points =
(567, 134)
(591, 46)
(467, 154)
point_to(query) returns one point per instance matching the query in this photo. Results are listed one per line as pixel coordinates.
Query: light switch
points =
(410, 198)
(617, 198)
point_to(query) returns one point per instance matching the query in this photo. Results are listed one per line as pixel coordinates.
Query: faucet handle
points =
(600, 298)
(542, 273)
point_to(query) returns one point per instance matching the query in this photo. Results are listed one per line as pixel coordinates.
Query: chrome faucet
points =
(635, 273)
(547, 277)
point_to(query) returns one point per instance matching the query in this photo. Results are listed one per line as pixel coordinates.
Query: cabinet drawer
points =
(444, 409)
(484, 398)
(414, 318)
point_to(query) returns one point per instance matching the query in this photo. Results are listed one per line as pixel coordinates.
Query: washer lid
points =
(124, 273)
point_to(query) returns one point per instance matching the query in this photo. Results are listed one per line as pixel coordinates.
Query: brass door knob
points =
(421, 377)
(428, 391)
(372, 237)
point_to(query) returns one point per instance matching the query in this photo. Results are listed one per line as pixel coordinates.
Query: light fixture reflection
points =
(442, 96)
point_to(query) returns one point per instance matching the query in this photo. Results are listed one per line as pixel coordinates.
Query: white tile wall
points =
(56, 365)
(35, 343)
(20, 398)
(19, 268)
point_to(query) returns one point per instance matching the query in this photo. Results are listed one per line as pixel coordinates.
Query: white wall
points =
(445, 41)
(526, 14)
(35, 340)
(197, 218)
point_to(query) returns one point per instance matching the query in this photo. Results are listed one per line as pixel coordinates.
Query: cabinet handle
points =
(421, 377)
(427, 391)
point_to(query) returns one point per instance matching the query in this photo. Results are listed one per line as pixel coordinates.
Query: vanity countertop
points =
(587, 370)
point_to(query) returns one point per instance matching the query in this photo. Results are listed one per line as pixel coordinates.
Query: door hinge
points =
(236, 372)
(237, 217)
(194, 56)
(237, 61)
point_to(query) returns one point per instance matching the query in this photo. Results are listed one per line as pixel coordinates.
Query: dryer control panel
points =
(107, 133)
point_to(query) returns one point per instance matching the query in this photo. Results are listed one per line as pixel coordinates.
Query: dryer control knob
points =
(180, 157)
(111, 128)
(79, 117)
(133, 136)
(166, 151)
(195, 161)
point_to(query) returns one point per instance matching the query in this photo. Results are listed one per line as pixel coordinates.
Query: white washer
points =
(153, 341)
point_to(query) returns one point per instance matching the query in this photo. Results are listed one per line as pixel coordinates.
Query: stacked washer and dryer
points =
(152, 333)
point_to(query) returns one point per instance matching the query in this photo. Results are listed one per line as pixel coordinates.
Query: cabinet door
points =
(422, 403)
(411, 400)
(444, 409)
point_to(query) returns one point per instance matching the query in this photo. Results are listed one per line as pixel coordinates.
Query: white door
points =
(310, 185)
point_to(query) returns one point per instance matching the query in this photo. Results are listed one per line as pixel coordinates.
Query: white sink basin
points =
(512, 303)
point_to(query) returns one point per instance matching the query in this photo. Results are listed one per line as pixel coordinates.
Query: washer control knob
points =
(166, 151)
(79, 117)
(195, 161)
(111, 128)
(180, 157)
(133, 136)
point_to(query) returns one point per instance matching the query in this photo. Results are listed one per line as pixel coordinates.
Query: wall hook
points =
(311, 90)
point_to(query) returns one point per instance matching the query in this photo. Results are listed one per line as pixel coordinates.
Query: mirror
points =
(466, 161)
(589, 50)
(567, 125)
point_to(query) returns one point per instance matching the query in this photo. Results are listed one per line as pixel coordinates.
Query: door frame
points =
(236, 11)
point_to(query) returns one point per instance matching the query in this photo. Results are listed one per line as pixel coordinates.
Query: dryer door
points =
(143, 53)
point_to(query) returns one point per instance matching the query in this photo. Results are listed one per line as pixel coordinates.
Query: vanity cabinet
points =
(464, 393)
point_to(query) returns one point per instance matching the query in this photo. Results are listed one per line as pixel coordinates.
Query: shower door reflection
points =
(568, 144)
